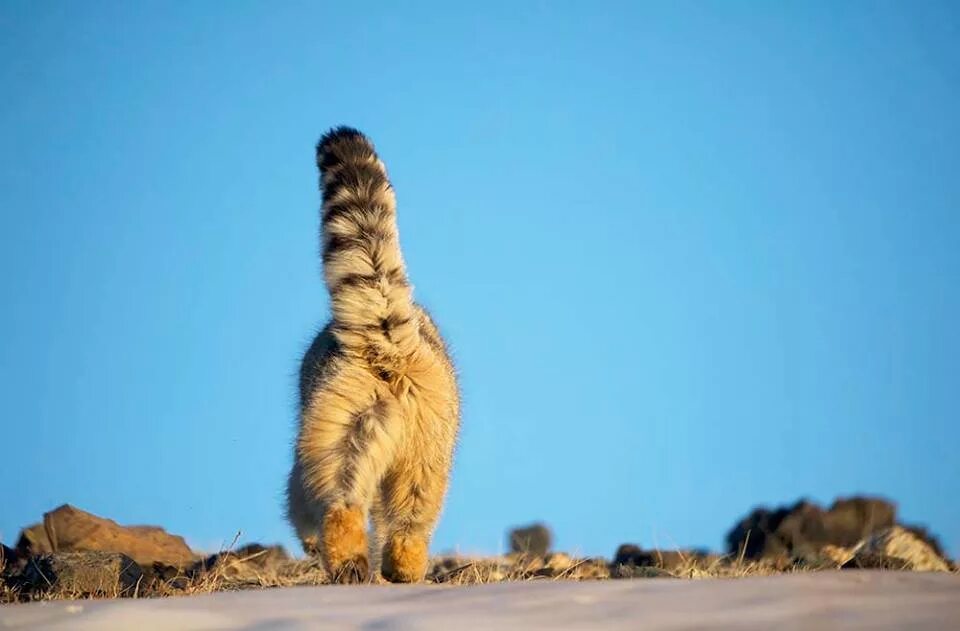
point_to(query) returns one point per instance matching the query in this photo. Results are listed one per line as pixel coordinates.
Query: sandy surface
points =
(834, 600)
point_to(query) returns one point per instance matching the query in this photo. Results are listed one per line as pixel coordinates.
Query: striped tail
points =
(373, 311)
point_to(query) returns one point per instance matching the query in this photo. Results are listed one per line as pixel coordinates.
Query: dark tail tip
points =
(336, 136)
(340, 140)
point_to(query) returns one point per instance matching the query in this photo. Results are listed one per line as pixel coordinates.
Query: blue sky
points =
(690, 256)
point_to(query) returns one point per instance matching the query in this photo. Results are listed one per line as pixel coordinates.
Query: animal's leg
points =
(349, 434)
(412, 496)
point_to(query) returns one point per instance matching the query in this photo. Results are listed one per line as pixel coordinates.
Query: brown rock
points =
(33, 540)
(755, 536)
(639, 571)
(837, 556)
(926, 535)
(158, 573)
(850, 520)
(443, 566)
(802, 530)
(70, 529)
(534, 539)
(11, 563)
(8, 557)
(672, 560)
(249, 560)
(898, 549)
(81, 574)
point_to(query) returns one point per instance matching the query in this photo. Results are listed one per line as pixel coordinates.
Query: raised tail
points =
(373, 311)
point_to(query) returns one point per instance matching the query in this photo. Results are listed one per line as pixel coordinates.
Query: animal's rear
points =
(379, 402)
(373, 312)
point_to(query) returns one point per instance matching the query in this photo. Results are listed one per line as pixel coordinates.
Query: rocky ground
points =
(74, 554)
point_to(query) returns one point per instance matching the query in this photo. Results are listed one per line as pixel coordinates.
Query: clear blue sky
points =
(690, 256)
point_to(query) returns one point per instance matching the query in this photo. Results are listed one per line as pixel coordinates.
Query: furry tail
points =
(373, 311)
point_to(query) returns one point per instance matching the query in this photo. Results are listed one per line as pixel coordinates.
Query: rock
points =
(7, 557)
(639, 571)
(443, 566)
(11, 562)
(159, 574)
(850, 520)
(8, 570)
(930, 539)
(671, 560)
(534, 539)
(629, 553)
(81, 574)
(70, 529)
(898, 549)
(835, 556)
(802, 530)
(754, 537)
(247, 561)
(252, 565)
(33, 540)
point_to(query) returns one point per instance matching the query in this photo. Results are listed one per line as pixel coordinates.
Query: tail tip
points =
(335, 135)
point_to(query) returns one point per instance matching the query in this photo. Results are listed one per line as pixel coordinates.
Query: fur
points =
(379, 404)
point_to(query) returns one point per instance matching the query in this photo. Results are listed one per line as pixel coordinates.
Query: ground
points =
(857, 599)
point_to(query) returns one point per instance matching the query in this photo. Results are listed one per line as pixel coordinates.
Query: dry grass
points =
(14, 594)
(238, 573)
(558, 566)
(231, 571)
(8, 594)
